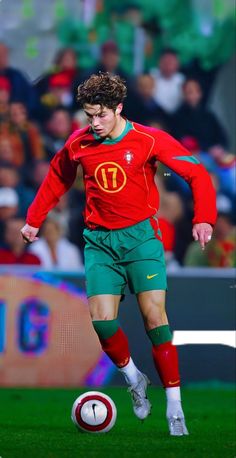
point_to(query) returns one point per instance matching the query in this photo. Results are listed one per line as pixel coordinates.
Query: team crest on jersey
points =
(128, 156)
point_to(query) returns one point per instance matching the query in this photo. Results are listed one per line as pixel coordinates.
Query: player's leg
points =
(104, 311)
(152, 306)
(105, 286)
(105, 283)
(106, 279)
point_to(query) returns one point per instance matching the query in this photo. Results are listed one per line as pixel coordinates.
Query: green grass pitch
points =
(35, 423)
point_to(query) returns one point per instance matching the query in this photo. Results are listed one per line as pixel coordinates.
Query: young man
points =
(123, 241)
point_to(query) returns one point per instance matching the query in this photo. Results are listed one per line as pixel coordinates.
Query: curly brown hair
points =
(103, 89)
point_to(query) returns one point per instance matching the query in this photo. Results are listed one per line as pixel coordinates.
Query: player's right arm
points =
(60, 177)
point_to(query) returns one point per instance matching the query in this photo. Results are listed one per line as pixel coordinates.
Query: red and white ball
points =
(94, 412)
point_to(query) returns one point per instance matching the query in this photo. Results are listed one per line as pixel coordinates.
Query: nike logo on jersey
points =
(151, 276)
(84, 145)
(174, 383)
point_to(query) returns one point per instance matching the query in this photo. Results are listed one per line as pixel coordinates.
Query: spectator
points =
(58, 127)
(10, 178)
(223, 202)
(30, 141)
(109, 61)
(14, 250)
(206, 76)
(168, 81)
(11, 147)
(80, 119)
(69, 214)
(193, 119)
(57, 87)
(65, 64)
(20, 139)
(171, 210)
(59, 91)
(38, 172)
(9, 202)
(20, 86)
(195, 257)
(54, 250)
(140, 105)
(7, 153)
(61, 213)
(6, 148)
(221, 250)
(225, 168)
(76, 224)
(5, 89)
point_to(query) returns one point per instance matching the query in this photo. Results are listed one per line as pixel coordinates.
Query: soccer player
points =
(123, 240)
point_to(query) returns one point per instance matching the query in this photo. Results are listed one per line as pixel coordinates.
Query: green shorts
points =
(133, 255)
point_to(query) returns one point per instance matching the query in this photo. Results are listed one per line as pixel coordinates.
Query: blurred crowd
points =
(36, 117)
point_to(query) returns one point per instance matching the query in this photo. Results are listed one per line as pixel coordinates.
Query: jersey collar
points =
(109, 141)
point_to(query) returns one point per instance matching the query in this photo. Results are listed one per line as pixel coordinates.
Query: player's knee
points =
(103, 308)
(155, 321)
(99, 315)
(155, 315)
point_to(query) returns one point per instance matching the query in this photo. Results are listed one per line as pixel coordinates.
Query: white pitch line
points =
(205, 337)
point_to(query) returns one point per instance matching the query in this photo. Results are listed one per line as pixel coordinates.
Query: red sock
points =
(166, 361)
(117, 348)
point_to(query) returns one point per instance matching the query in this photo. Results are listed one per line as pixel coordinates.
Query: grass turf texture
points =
(35, 423)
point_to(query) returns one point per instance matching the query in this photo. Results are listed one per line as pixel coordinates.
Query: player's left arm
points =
(171, 153)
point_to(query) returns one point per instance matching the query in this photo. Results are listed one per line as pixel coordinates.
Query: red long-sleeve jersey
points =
(119, 177)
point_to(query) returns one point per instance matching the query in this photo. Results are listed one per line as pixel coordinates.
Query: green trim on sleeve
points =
(191, 159)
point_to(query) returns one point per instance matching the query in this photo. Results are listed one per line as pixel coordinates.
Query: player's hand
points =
(29, 233)
(203, 233)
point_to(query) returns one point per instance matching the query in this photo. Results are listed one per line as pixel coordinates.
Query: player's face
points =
(104, 121)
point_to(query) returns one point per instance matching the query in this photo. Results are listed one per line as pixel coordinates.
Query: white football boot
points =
(177, 426)
(138, 391)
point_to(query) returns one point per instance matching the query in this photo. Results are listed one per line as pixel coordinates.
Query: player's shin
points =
(166, 362)
(113, 341)
(115, 344)
(165, 356)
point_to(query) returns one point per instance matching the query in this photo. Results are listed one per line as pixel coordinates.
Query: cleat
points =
(177, 425)
(141, 404)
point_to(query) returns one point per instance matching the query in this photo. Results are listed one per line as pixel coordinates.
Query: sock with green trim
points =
(113, 341)
(165, 356)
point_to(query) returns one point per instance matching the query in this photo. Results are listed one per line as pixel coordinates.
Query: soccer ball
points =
(94, 412)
